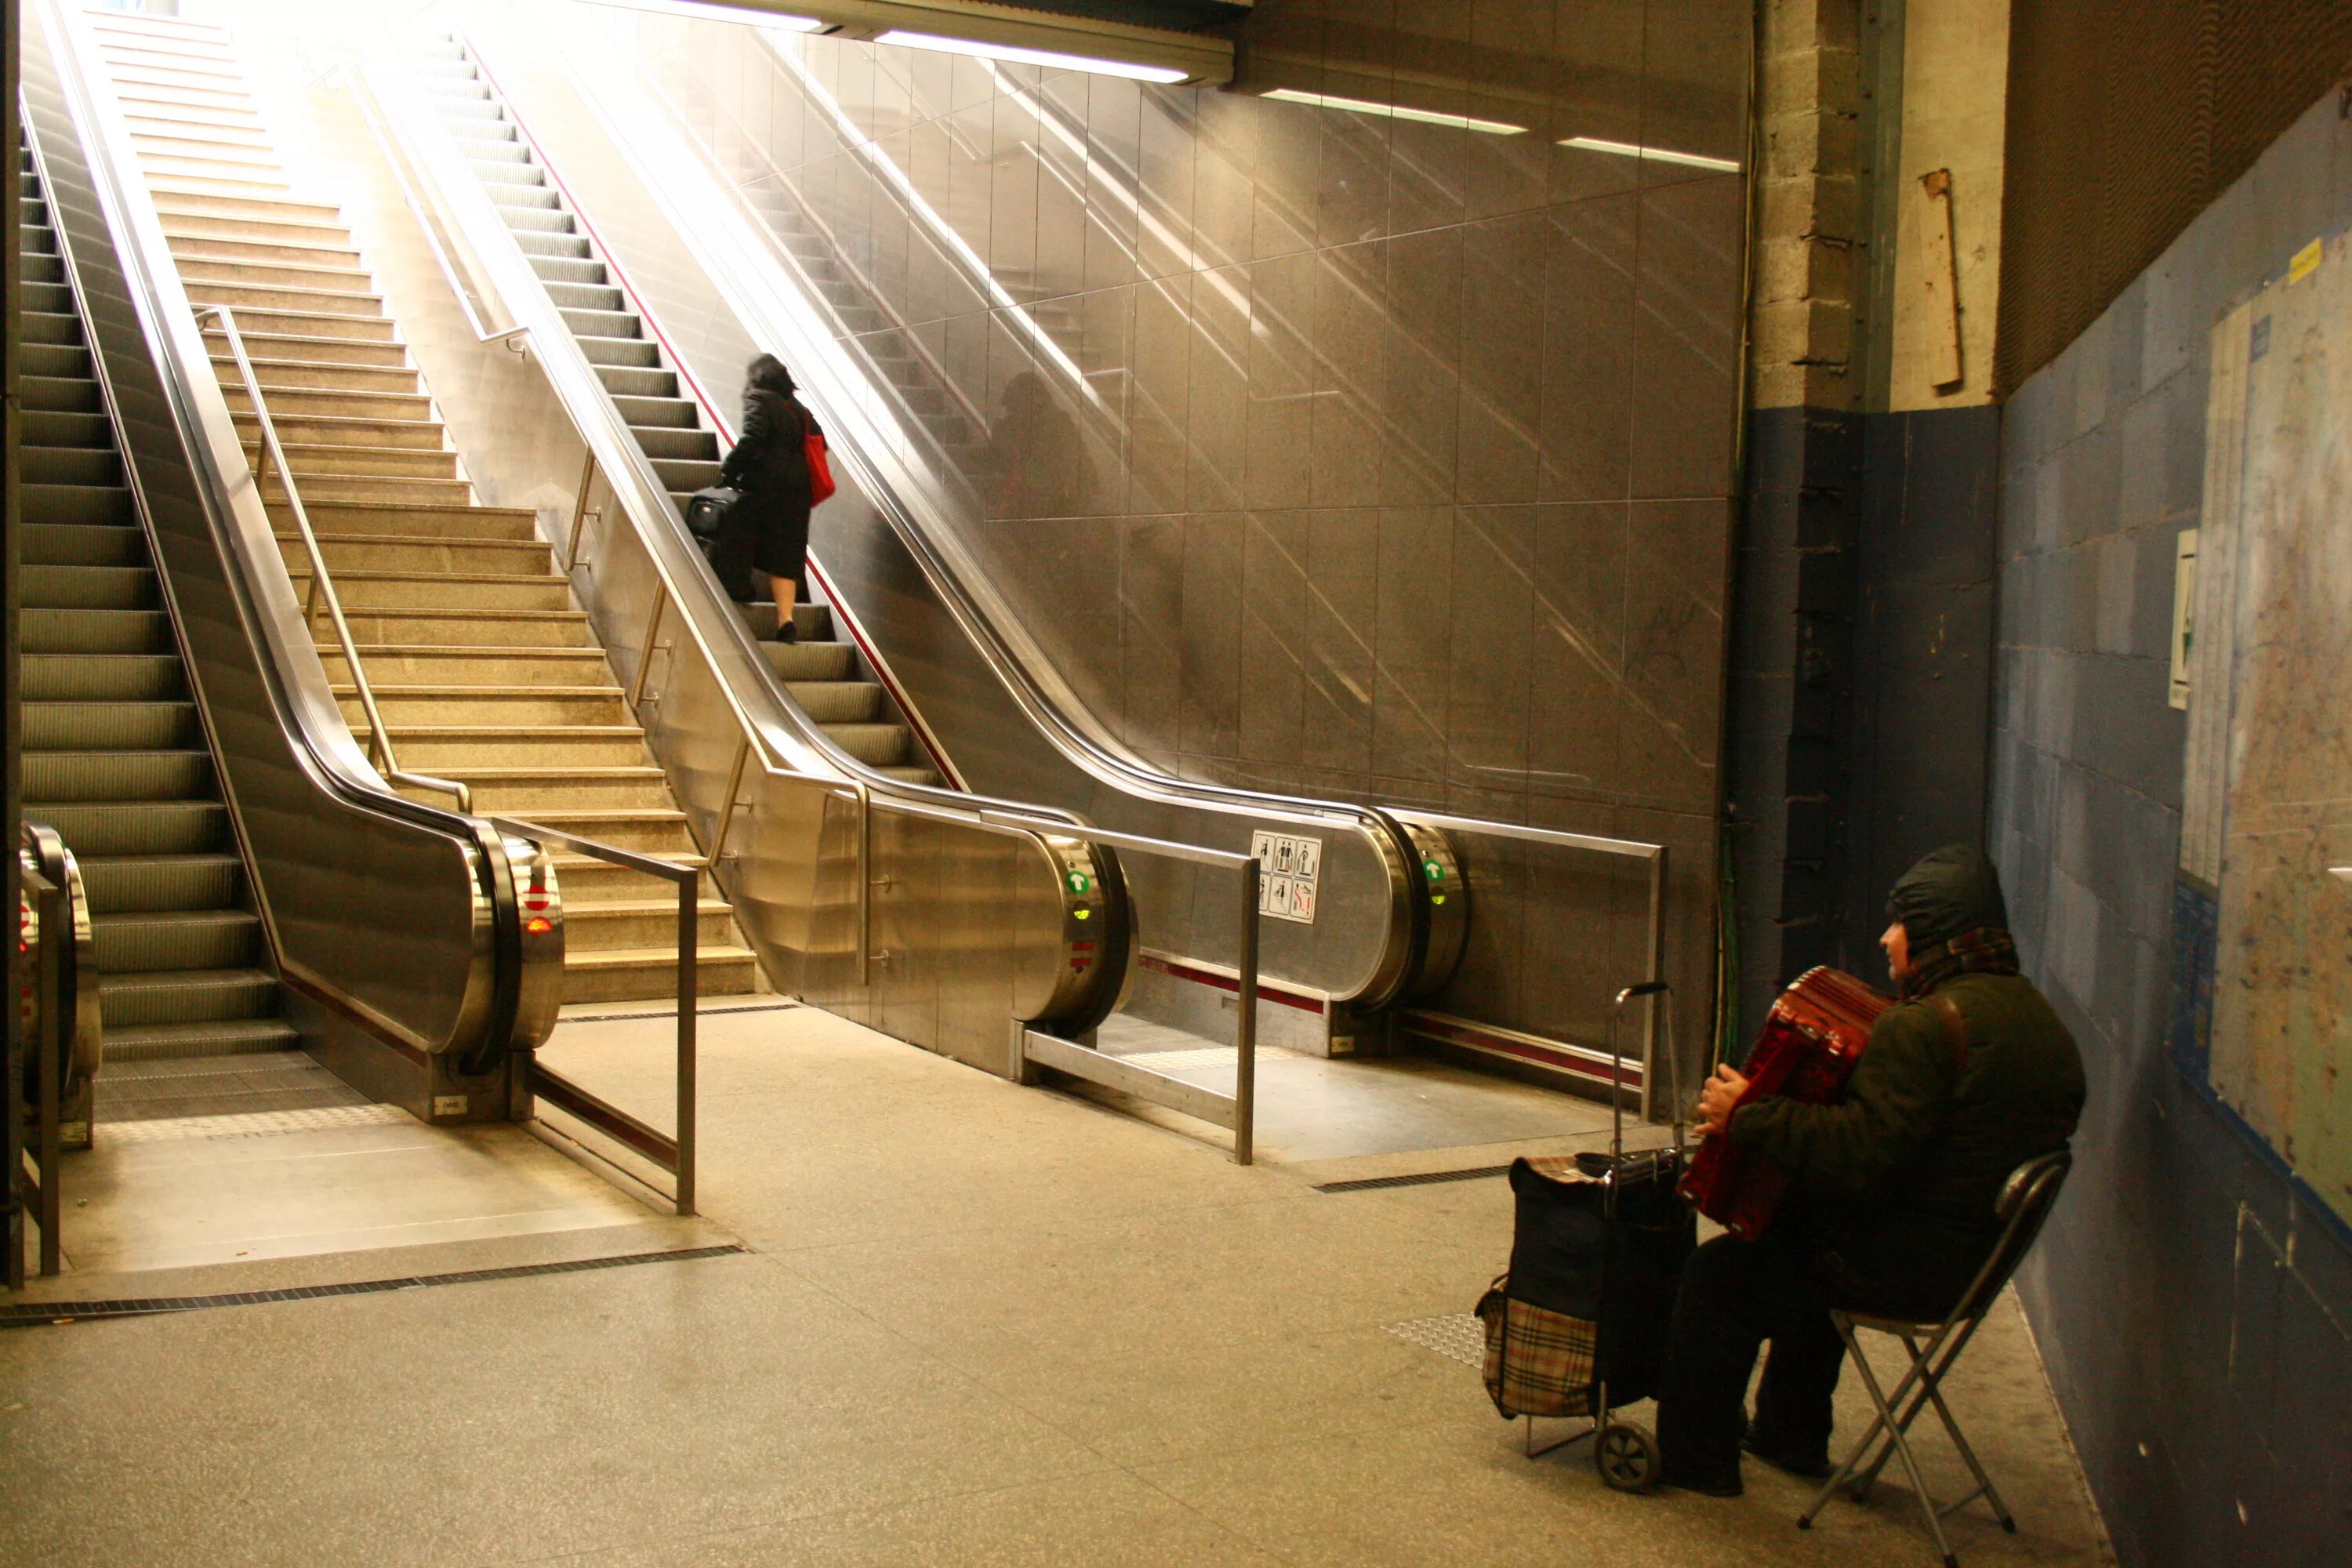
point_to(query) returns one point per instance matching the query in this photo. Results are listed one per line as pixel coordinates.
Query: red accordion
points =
(1810, 1042)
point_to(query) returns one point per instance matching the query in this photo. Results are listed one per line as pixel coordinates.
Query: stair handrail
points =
(323, 584)
(440, 232)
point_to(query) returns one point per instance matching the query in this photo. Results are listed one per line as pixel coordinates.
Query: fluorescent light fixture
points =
(1395, 112)
(1049, 58)
(702, 10)
(1657, 155)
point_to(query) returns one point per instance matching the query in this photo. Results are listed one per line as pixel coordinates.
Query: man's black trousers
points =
(1734, 1296)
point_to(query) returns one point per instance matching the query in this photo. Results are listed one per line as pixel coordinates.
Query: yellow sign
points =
(2305, 262)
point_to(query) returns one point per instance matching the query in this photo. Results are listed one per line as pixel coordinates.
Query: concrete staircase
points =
(484, 669)
(818, 672)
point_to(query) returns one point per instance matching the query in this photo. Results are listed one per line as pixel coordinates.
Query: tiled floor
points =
(982, 1324)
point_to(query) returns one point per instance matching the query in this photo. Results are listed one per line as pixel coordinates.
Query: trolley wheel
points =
(1627, 1457)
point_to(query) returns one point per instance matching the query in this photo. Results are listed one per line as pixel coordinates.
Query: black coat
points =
(768, 528)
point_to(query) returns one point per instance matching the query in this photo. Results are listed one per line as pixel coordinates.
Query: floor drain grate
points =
(1425, 1178)
(1461, 1336)
(38, 1314)
(252, 1124)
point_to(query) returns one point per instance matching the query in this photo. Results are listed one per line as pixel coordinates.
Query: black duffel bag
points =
(705, 515)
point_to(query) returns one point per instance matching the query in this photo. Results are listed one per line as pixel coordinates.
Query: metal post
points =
(57, 936)
(865, 882)
(1657, 973)
(645, 653)
(580, 512)
(690, 948)
(1245, 1024)
(727, 812)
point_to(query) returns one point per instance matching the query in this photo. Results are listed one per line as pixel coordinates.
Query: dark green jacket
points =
(1895, 1185)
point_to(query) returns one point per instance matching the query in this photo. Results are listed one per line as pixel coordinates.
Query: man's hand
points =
(1717, 1099)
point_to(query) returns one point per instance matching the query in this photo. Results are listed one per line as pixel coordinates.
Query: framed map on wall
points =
(2263, 926)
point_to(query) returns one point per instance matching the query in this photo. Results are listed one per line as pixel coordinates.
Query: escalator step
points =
(110, 726)
(140, 884)
(64, 394)
(228, 1037)
(49, 298)
(87, 428)
(656, 413)
(71, 360)
(636, 381)
(69, 465)
(142, 828)
(78, 778)
(60, 544)
(88, 588)
(48, 327)
(44, 269)
(88, 505)
(187, 996)
(188, 939)
(110, 678)
(630, 354)
(95, 631)
(692, 445)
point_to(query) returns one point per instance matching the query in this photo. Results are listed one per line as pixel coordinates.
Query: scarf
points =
(1988, 950)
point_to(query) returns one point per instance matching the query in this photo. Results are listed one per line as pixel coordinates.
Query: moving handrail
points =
(323, 583)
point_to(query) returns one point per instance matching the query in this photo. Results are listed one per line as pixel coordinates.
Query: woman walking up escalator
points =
(762, 548)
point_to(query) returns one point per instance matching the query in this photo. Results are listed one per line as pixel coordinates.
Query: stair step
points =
(339, 403)
(489, 524)
(520, 706)
(470, 627)
(286, 348)
(270, 295)
(404, 463)
(556, 668)
(661, 833)
(442, 747)
(590, 927)
(318, 375)
(255, 272)
(632, 975)
(443, 590)
(397, 552)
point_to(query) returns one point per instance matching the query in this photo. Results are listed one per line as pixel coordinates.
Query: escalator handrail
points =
(322, 581)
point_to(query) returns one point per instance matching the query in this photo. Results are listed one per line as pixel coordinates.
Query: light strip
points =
(1049, 58)
(702, 10)
(1396, 111)
(1656, 155)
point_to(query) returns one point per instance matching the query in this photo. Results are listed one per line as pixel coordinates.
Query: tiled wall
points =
(1407, 448)
(2194, 1303)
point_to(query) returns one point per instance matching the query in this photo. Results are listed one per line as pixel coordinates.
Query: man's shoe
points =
(1705, 1486)
(1813, 1465)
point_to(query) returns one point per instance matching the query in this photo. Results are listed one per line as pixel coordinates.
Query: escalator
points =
(115, 758)
(820, 671)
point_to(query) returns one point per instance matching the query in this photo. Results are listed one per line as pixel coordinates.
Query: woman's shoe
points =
(787, 630)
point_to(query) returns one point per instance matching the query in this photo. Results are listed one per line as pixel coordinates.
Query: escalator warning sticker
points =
(1289, 869)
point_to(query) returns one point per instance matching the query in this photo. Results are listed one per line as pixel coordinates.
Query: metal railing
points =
(323, 584)
(43, 1185)
(1624, 849)
(673, 1152)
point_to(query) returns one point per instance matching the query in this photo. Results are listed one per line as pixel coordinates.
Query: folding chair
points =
(2026, 1199)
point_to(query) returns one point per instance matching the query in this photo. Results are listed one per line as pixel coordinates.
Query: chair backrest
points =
(2024, 1205)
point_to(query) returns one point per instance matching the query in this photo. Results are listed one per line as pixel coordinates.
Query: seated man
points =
(1891, 1190)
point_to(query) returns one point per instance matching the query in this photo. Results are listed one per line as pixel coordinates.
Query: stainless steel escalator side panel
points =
(725, 296)
(380, 912)
(971, 926)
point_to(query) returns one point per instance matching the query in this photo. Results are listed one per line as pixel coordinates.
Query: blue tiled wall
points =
(2193, 1302)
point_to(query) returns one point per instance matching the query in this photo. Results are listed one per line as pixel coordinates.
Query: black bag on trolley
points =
(1578, 1326)
(705, 515)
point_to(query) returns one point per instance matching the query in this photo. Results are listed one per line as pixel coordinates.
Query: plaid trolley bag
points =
(1578, 1327)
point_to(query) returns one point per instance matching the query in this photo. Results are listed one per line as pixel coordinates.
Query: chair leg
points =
(1895, 1442)
(1934, 1385)
(1838, 1477)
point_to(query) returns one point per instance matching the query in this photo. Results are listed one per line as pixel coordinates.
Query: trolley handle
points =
(1617, 1064)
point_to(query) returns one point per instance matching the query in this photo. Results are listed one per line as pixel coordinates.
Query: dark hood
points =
(768, 372)
(1951, 890)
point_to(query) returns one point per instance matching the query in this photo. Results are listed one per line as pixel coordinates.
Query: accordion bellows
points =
(1806, 1051)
